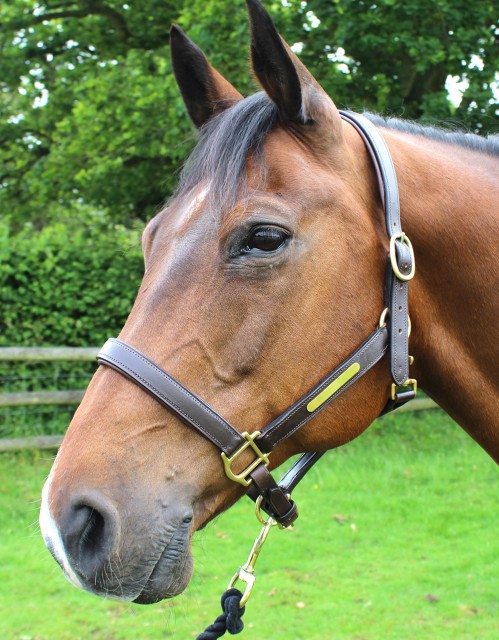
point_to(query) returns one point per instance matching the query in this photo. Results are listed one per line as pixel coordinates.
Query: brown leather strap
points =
(299, 413)
(170, 393)
(385, 171)
(398, 301)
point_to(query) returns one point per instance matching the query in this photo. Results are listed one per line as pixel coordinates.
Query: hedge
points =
(68, 284)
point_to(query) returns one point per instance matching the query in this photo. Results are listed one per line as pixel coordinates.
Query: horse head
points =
(262, 273)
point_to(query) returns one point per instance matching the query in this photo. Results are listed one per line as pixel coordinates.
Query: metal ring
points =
(382, 321)
(258, 512)
(382, 318)
(270, 520)
(393, 256)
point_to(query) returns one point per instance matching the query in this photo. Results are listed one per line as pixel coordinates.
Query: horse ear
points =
(204, 90)
(285, 79)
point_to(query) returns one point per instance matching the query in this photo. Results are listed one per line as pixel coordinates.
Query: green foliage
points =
(68, 284)
(91, 112)
(398, 56)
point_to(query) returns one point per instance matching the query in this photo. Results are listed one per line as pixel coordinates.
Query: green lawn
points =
(397, 540)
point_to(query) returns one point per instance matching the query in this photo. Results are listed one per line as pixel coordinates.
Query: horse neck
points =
(447, 201)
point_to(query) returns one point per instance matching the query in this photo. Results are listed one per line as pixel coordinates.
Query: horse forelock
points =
(228, 140)
(226, 143)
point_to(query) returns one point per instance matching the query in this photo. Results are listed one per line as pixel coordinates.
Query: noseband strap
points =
(170, 393)
(191, 409)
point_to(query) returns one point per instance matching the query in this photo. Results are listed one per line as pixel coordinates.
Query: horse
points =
(264, 271)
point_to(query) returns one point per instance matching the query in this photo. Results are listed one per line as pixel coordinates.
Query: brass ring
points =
(393, 256)
(270, 520)
(258, 512)
(382, 321)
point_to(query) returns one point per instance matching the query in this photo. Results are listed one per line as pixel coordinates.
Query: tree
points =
(91, 113)
(397, 57)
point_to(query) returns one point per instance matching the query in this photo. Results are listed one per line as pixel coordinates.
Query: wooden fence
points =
(40, 398)
(73, 397)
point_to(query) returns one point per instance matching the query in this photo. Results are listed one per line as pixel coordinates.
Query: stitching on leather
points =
(180, 387)
(170, 402)
(384, 161)
(388, 189)
(394, 338)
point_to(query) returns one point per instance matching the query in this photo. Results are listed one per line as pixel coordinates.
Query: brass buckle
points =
(393, 256)
(260, 458)
(408, 383)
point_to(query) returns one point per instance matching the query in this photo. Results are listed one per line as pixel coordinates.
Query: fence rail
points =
(73, 397)
(31, 398)
(48, 354)
(34, 442)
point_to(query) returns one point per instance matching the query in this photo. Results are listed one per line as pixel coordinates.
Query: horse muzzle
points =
(107, 554)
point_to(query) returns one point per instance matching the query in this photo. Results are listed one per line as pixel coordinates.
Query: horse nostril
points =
(90, 531)
(92, 535)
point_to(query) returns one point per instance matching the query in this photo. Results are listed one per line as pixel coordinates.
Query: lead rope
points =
(233, 601)
(229, 620)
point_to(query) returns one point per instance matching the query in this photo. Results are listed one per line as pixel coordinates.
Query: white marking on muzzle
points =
(53, 541)
(52, 537)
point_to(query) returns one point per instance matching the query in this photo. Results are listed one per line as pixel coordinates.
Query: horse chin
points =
(168, 579)
(145, 582)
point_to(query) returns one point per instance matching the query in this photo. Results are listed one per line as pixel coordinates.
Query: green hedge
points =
(70, 285)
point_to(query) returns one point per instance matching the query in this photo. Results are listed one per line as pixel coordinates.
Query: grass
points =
(397, 539)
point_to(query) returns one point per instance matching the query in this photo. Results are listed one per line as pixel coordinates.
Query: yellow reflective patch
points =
(326, 393)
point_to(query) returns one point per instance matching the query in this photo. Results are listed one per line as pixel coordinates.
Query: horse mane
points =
(227, 141)
(484, 144)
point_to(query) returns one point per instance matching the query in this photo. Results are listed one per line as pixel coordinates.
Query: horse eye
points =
(266, 239)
